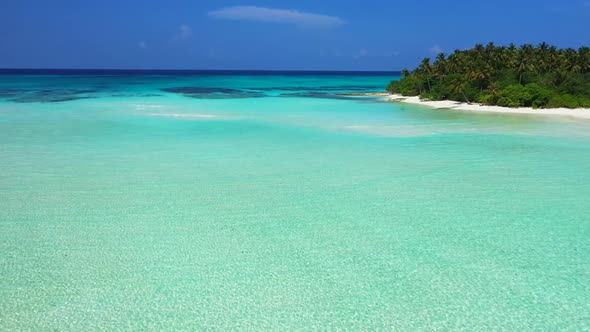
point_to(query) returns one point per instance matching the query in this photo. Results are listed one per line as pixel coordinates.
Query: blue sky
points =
(277, 34)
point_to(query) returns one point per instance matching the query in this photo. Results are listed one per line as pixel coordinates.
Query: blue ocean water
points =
(275, 200)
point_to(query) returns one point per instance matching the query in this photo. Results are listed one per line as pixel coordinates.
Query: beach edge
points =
(580, 113)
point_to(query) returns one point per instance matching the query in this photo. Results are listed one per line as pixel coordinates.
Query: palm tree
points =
(542, 57)
(426, 69)
(405, 73)
(458, 86)
(418, 76)
(480, 72)
(571, 62)
(492, 56)
(440, 65)
(552, 58)
(584, 58)
(512, 56)
(524, 61)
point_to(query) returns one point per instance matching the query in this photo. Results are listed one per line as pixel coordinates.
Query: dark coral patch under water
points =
(317, 95)
(135, 95)
(45, 95)
(213, 93)
(320, 88)
(7, 93)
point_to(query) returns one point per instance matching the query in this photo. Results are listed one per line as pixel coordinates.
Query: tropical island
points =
(536, 77)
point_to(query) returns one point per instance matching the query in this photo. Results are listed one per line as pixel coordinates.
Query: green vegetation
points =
(539, 77)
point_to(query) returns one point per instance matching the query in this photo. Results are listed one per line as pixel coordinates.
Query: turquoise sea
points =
(269, 201)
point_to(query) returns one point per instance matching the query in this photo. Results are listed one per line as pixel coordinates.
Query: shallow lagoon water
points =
(238, 205)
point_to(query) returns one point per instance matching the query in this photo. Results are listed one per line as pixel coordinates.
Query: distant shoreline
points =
(580, 113)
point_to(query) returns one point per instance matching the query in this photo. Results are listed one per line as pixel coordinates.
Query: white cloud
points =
(184, 32)
(272, 15)
(142, 45)
(436, 49)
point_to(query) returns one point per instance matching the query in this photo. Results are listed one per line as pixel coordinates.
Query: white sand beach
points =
(581, 113)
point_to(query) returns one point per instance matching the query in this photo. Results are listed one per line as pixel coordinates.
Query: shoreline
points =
(580, 113)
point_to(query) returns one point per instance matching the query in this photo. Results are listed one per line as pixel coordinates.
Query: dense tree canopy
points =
(540, 77)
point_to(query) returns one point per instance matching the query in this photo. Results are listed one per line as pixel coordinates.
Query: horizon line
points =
(202, 70)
